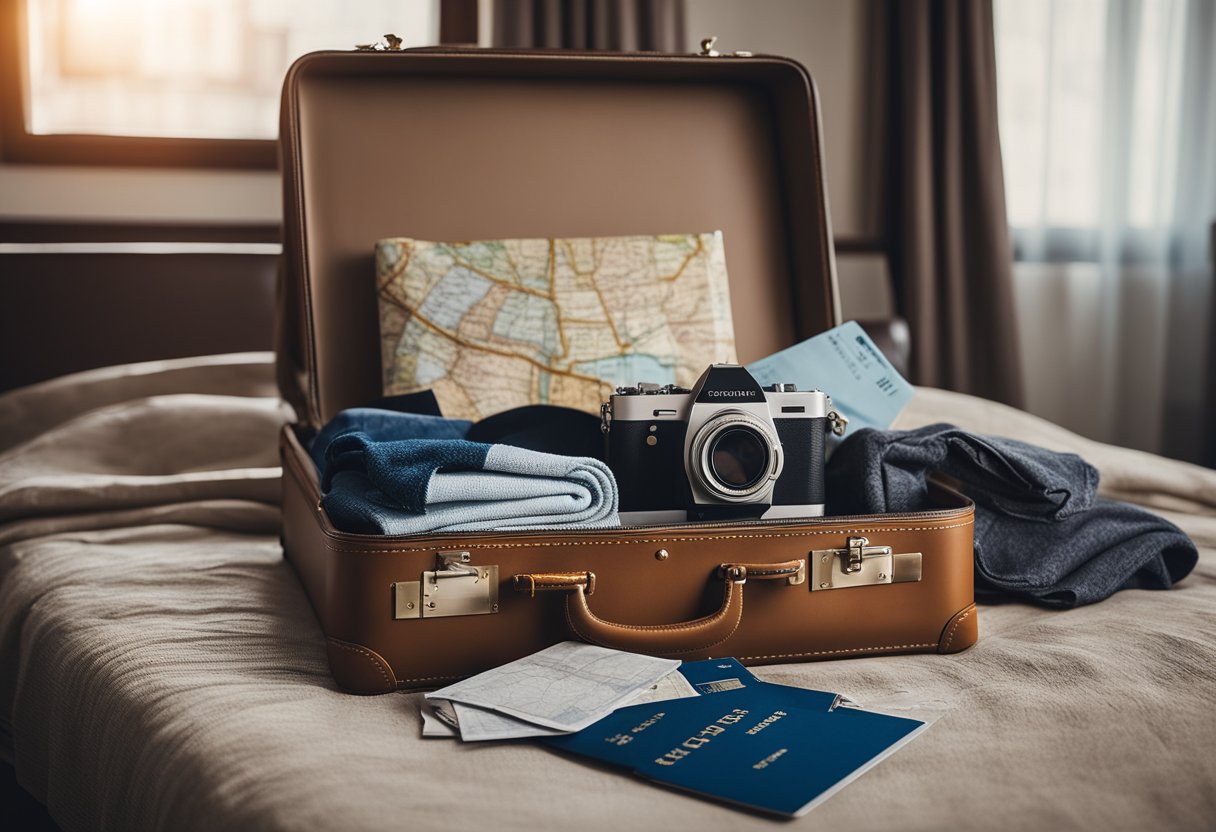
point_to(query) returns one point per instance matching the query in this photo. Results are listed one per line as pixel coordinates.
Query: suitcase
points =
(447, 144)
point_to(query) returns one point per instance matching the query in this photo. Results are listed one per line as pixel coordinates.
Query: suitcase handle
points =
(664, 639)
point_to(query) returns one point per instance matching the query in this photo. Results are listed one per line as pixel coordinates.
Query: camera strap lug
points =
(837, 421)
(860, 564)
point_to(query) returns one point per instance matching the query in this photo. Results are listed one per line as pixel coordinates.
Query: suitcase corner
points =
(359, 669)
(960, 632)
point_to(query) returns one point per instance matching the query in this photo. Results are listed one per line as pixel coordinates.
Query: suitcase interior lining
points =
(415, 145)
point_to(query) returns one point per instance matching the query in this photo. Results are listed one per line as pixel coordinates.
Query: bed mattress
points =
(160, 666)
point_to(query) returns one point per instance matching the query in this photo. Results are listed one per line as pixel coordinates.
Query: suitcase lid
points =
(465, 144)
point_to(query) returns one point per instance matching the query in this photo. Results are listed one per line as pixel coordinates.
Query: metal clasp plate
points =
(860, 564)
(455, 587)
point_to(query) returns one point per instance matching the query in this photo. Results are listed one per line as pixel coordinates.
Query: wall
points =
(827, 37)
(119, 194)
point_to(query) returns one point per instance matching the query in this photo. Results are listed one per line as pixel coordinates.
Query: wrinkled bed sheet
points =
(160, 667)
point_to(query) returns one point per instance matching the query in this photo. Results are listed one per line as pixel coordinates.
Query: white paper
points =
(566, 687)
(671, 686)
(432, 725)
(480, 725)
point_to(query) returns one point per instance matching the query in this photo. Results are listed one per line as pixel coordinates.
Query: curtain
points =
(629, 25)
(945, 224)
(1108, 115)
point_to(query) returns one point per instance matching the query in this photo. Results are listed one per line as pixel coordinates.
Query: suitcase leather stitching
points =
(403, 682)
(368, 654)
(843, 650)
(625, 541)
(954, 628)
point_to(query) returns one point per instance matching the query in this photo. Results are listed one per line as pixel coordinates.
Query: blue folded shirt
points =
(380, 482)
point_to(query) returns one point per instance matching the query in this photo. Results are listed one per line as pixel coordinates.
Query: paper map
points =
(493, 325)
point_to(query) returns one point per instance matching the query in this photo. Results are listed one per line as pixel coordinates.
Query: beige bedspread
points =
(160, 666)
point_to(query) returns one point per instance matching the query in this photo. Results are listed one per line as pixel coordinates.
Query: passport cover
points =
(772, 748)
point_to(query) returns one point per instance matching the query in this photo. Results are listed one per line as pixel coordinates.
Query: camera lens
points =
(734, 457)
(738, 457)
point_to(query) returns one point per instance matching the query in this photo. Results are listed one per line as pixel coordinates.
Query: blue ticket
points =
(844, 363)
(721, 675)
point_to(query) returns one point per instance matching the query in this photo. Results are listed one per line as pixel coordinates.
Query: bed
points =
(160, 666)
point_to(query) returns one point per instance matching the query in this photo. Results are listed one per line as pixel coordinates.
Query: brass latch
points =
(454, 587)
(860, 564)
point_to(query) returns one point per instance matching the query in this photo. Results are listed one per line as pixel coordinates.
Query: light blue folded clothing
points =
(412, 486)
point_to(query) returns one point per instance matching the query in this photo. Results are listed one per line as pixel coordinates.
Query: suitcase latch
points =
(454, 587)
(860, 564)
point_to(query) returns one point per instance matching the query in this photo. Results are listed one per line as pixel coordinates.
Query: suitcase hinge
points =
(389, 43)
(860, 564)
(708, 51)
(454, 587)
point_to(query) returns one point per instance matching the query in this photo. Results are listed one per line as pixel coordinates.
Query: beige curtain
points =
(629, 25)
(947, 236)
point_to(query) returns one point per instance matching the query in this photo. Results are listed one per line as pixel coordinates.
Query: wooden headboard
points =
(76, 296)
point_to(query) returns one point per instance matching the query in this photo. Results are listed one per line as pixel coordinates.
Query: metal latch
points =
(708, 51)
(860, 564)
(454, 587)
(389, 43)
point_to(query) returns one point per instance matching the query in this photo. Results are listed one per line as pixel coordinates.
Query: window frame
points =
(458, 24)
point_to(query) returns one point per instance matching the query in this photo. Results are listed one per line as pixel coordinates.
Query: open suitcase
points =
(483, 144)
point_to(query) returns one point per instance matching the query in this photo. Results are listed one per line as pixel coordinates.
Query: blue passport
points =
(768, 747)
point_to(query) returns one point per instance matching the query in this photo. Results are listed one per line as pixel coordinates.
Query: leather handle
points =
(662, 639)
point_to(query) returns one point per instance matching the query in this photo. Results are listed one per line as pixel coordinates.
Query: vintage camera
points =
(728, 448)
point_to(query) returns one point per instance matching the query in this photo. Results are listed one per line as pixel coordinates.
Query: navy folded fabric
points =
(1041, 532)
(382, 425)
(409, 486)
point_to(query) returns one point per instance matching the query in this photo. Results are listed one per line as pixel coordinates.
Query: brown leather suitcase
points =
(482, 144)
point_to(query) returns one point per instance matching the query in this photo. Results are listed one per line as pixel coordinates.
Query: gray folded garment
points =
(1041, 532)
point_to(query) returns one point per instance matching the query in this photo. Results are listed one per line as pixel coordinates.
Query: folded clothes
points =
(1041, 532)
(384, 425)
(407, 486)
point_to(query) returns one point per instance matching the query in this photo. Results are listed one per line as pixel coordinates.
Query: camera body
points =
(728, 448)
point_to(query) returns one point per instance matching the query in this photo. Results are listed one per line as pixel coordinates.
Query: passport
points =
(771, 748)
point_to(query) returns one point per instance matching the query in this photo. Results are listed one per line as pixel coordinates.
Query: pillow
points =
(497, 324)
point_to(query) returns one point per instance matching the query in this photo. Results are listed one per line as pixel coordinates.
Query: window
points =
(178, 81)
(1091, 121)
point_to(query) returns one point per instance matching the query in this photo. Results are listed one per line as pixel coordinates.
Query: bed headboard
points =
(78, 296)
